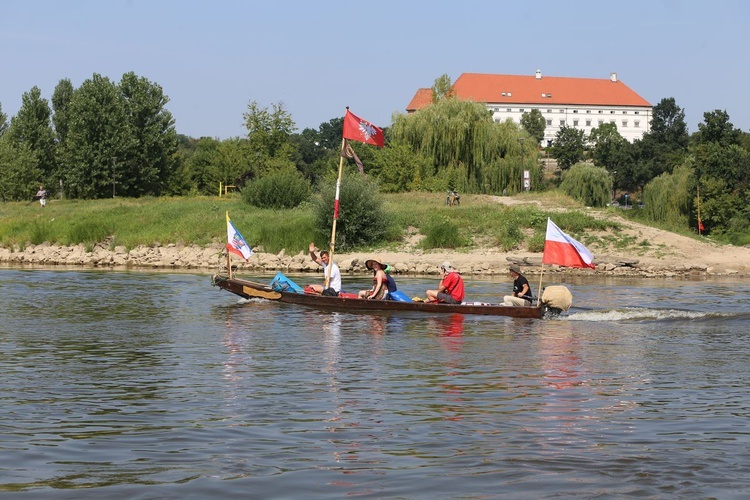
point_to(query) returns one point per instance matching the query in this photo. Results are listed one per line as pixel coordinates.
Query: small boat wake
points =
(641, 314)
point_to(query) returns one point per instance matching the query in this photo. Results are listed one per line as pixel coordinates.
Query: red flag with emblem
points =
(357, 129)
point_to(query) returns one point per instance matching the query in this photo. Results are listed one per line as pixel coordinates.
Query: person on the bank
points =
(334, 283)
(379, 281)
(521, 290)
(42, 195)
(451, 287)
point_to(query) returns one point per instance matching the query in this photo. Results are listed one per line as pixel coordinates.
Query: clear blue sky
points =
(213, 57)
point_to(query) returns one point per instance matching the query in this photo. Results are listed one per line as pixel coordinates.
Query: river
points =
(157, 385)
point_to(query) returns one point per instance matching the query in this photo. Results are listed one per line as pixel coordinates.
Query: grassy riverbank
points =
(478, 221)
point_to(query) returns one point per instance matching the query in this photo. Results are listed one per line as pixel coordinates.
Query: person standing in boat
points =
(521, 290)
(379, 281)
(451, 287)
(334, 287)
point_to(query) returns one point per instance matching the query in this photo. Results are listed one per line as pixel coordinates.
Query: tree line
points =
(106, 139)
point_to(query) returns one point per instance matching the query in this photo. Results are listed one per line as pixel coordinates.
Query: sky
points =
(213, 58)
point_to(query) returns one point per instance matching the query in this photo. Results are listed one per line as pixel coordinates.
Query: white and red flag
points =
(562, 250)
(357, 129)
(236, 244)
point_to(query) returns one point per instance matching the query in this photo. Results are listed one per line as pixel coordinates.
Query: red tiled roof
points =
(421, 99)
(523, 89)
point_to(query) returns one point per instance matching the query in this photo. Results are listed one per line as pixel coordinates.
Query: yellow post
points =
(219, 189)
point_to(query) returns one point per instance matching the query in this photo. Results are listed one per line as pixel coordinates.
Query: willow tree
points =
(465, 144)
(668, 198)
(588, 184)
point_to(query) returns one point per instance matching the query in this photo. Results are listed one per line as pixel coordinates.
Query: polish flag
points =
(562, 250)
(236, 244)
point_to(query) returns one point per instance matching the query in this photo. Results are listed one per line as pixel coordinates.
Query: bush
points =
(279, 189)
(440, 232)
(362, 219)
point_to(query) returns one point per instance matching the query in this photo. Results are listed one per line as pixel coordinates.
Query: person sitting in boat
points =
(451, 287)
(379, 281)
(521, 290)
(334, 287)
(391, 282)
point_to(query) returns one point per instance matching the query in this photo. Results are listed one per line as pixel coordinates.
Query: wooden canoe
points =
(250, 289)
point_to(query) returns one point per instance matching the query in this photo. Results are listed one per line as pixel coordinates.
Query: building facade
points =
(580, 103)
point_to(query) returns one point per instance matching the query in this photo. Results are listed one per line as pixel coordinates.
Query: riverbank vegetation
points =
(118, 140)
(479, 221)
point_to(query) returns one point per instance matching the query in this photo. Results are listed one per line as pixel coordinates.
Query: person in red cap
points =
(451, 287)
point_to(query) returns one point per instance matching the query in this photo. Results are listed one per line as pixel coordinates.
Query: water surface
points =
(156, 385)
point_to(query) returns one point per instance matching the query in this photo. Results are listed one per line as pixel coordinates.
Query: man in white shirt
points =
(335, 277)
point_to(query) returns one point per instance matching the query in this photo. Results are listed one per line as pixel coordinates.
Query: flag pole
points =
(229, 263)
(539, 295)
(335, 213)
(698, 189)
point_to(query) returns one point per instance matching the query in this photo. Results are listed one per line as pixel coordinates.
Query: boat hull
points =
(250, 289)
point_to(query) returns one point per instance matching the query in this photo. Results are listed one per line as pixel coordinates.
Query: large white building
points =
(580, 103)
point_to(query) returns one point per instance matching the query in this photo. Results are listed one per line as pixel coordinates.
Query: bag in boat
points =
(281, 283)
(558, 297)
(399, 296)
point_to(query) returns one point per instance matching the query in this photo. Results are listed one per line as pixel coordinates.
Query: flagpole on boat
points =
(335, 212)
(539, 294)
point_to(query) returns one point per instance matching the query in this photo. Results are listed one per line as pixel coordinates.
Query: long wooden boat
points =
(250, 289)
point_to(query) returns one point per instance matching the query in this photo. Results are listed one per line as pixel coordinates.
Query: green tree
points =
(399, 169)
(232, 163)
(534, 124)
(268, 131)
(3, 121)
(19, 173)
(61, 98)
(152, 144)
(568, 147)
(717, 128)
(660, 149)
(310, 153)
(442, 88)
(668, 197)
(465, 144)
(32, 126)
(201, 165)
(588, 184)
(611, 151)
(331, 133)
(99, 140)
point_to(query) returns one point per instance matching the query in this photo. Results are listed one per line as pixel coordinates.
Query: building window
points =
(562, 123)
(637, 124)
(508, 110)
(549, 111)
(601, 122)
(600, 111)
(624, 123)
(612, 122)
(637, 112)
(612, 112)
(575, 123)
(588, 123)
(549, 123)
(588, 111)
(521, 110)
(575, 111)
